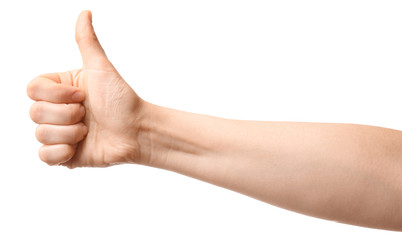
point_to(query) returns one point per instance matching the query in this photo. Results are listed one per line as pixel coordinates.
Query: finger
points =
(56, 154)
(60, 114)
(58, 134)
(45, 89)
(93, 55)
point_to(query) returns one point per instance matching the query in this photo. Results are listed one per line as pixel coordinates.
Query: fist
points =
(88, 117)
(59, 112)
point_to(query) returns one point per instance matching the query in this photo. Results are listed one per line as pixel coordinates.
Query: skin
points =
(90, 117)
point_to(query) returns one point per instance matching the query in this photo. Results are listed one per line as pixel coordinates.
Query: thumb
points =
(93, 55)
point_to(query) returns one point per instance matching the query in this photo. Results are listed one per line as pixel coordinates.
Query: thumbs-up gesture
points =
(87, 117)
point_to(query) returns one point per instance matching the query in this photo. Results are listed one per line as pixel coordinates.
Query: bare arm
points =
(90, 117)
(343, 172)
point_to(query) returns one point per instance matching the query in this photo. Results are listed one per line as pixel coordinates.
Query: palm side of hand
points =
(112, 109)
(106, 133)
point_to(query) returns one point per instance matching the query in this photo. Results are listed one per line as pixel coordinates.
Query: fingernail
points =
(78, 96)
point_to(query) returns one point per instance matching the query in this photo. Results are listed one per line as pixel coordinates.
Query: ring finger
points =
(52, 113)
(56, 134)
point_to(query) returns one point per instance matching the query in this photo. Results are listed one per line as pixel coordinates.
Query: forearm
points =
(344, 172)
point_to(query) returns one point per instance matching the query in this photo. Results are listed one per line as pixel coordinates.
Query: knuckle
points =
(35, 112)
(41, 133)
(43, 155)
(31, 89)
(55, 156)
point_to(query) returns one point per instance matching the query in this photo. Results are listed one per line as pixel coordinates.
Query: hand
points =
(88, 117)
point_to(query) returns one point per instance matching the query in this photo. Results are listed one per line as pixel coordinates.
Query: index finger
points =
(48, 88)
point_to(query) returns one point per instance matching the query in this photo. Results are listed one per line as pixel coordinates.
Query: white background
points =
(320, 61)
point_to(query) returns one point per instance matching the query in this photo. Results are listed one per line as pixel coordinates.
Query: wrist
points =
(149, 144)
(168, 136)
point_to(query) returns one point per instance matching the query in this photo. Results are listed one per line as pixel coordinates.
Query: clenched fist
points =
(87, 117)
